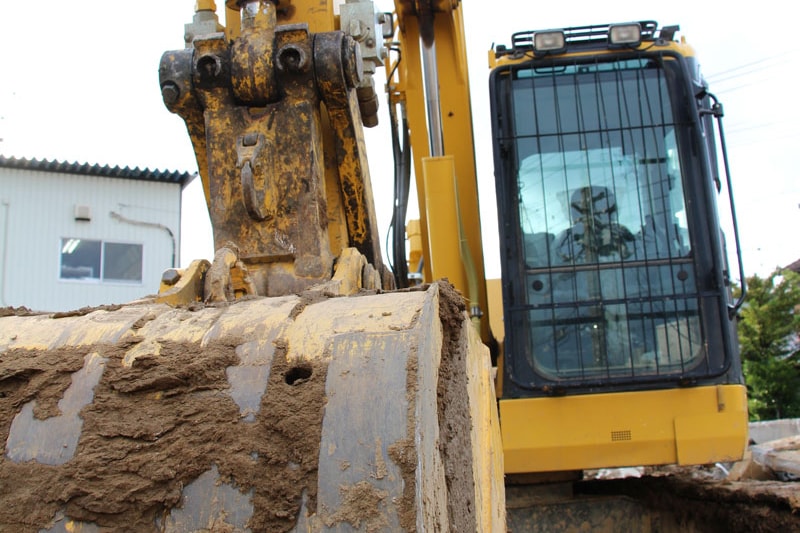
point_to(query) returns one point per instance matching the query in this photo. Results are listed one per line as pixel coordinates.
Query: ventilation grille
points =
(620, 435)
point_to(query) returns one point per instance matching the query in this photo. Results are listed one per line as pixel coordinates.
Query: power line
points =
(748, 68)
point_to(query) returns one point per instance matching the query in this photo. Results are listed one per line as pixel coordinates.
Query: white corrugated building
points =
(75, 235)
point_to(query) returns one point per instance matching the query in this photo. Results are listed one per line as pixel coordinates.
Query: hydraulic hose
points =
(402, 182)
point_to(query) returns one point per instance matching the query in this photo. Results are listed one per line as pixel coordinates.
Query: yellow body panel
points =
(414, 244)
(487, 463)
(697, 425)
(494, 294)
(440, 198)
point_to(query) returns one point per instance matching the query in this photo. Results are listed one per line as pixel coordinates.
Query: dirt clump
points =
(402, 453)
(16, 311)
(454, 411)
(360, 505)
(155, 426)
(86, 310)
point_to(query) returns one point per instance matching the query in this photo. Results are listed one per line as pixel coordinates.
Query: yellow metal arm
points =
(444, 160)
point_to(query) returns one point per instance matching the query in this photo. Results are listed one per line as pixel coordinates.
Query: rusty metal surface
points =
(333, 70)
(264, 112)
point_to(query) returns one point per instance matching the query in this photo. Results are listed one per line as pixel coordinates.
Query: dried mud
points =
(16, 311)
(172, 420)
(86, 310)
(454, 412)
(360, 507)
(402, 453)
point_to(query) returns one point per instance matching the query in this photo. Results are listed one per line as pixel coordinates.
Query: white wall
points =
(37, 211)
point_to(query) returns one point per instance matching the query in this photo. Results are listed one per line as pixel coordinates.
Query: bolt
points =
(251, 8)
(170, 93)
(170, 277)
(367, 100)
(352, 63)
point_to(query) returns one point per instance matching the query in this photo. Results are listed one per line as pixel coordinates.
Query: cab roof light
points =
(625, 34)
(549, 41)
(596, 37)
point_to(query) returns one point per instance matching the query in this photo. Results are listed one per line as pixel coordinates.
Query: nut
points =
(170, 277)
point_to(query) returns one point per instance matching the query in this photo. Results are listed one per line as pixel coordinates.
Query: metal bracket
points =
(249, 148)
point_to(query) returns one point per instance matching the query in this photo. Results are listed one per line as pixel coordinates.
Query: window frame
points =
(101, 278)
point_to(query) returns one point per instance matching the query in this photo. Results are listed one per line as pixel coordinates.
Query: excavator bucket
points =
(296, 413)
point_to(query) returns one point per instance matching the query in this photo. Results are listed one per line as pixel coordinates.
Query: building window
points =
(88, 260)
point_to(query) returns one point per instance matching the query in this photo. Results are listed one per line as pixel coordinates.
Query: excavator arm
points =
(265, 391)
(275, 105)
(427, 78)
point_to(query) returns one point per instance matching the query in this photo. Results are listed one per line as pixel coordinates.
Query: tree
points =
(769, 337)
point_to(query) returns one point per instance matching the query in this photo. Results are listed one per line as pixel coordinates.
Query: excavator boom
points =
(237, 398)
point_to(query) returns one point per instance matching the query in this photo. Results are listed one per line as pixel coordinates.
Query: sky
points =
(80, 84)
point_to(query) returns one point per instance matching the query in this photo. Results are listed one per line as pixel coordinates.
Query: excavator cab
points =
(615, 283)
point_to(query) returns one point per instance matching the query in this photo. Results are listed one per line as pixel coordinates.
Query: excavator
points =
(298, 382)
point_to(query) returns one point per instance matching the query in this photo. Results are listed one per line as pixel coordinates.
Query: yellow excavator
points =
(297, 383)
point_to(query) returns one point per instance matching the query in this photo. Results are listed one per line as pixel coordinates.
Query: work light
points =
(549, 41)
(630, 34)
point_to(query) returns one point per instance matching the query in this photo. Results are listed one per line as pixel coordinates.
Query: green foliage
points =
(769, 337)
